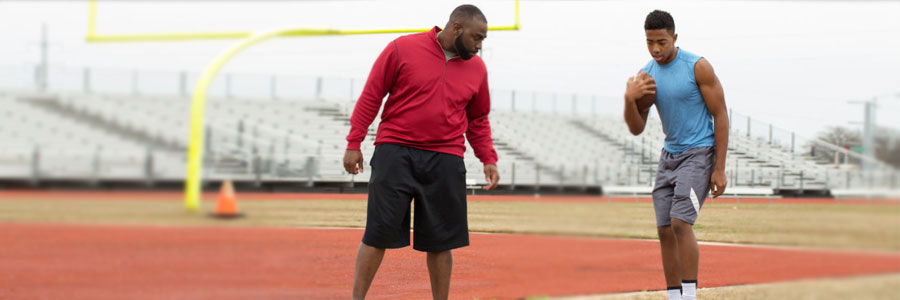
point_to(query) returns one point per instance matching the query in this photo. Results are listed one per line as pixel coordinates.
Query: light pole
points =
(868, 131)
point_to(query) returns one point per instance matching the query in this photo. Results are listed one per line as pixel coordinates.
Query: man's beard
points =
(461, 48)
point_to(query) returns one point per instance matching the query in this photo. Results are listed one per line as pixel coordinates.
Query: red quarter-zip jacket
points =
(432, 101)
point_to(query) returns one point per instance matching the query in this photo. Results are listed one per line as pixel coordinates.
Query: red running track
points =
(143, 262)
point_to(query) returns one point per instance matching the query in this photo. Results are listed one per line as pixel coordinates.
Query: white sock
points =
(674, 293)
(690, 290)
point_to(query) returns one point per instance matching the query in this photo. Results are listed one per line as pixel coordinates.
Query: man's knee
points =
(681, 227)
(366, 249)
(665, 233)
(446, 254)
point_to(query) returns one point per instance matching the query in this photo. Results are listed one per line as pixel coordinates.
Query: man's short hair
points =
(660, 20)
(463, 13)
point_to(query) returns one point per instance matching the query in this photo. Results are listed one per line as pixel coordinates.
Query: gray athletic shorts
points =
(682, 184)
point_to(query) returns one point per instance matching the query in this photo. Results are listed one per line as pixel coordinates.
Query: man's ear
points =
(457, 28)
(674, 38)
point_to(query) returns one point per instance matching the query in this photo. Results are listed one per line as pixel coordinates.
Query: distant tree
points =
(887, 144)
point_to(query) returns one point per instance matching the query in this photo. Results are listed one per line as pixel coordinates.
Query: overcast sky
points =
(795, 64)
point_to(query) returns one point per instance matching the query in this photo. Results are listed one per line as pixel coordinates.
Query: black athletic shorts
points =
(435, 181)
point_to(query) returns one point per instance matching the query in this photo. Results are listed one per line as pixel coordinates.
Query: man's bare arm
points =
(637, 87)
(714, 95)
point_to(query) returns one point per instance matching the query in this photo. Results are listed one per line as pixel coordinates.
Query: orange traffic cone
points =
(227, 206)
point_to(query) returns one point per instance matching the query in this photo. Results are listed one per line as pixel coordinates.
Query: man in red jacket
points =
(438, 91)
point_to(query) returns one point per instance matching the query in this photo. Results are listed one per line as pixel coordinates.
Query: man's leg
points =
(441, 222)
(668, 244)
(688, 252)
(440, 265)
(663, 192)
(387, 213)
(691, 189)
(688, 256)
(368, 259)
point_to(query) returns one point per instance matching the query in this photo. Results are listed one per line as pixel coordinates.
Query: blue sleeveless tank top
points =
(686, 121)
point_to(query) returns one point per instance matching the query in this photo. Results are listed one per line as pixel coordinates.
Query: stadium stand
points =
(96, 137)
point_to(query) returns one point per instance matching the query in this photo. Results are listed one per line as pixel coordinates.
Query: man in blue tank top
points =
(691, 106)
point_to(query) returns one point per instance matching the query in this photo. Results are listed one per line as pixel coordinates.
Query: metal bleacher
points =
(95, 137)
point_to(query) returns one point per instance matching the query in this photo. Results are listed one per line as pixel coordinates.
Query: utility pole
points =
(868, 132)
